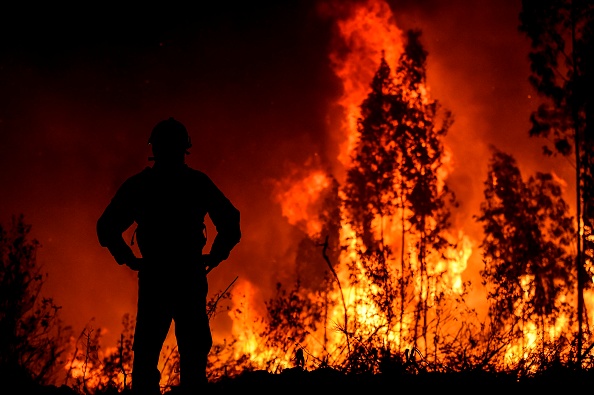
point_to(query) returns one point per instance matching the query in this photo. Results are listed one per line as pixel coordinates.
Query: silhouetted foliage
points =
(429, 197)
(561, 57)
(526, 247)
(33, 338)
(562, 64)
(85, 371)
(369, 189)
(292, 316)
(117, 366)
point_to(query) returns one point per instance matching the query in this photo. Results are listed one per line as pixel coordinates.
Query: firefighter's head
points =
(169, 140)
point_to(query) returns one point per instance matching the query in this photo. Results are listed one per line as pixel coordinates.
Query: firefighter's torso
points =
(169, 209)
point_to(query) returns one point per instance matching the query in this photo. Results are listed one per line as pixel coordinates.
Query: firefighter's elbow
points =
(103, 234)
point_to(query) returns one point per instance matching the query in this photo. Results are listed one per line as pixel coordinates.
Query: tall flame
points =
(367, 32)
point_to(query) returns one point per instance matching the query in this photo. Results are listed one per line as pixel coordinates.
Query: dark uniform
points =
(169, 203)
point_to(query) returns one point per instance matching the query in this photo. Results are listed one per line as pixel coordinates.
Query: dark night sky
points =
(80, 90)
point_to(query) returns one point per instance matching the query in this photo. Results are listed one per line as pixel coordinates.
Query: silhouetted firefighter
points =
(169, 202)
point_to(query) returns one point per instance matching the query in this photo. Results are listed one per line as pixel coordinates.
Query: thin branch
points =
(325, 255)
(214, 305)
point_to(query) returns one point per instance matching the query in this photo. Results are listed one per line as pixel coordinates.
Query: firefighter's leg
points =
(194, 339)
(153, 320)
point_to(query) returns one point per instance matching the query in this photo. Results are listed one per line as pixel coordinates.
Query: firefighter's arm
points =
(110, 228)
(226, 219)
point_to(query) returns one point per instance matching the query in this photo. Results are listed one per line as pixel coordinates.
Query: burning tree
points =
(370, 196)
(369, 190)
(428, 196)
(526, 251)
(395, 183)
(562, 60)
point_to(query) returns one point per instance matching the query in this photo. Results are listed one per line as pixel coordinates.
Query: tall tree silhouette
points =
(369, 189)
(528, 234)
(562, 63)
(420, 134)
(32, 336)
(394, 177)
(371, 195)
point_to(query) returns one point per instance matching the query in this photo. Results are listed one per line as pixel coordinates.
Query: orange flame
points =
(367, 32)
(299, 198)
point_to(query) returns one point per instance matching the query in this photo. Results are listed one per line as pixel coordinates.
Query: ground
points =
(326, 381)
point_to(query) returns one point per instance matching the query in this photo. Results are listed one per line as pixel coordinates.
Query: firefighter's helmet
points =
(170, 135)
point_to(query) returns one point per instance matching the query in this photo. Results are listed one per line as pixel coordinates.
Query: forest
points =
(386, 309)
